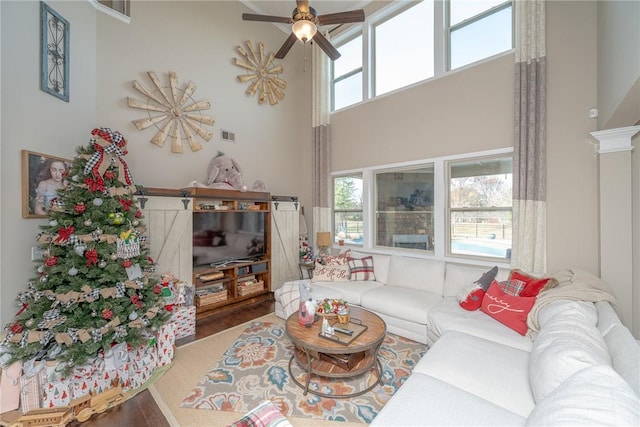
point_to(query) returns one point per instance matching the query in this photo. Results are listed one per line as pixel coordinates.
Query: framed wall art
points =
(42, 176)
(54, 60)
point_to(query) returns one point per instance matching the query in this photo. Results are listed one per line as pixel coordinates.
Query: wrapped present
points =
(165, 343)
(142, 363)
(56, 390)
(185, 321)
(10, 387)
(31, 385)
(84, 378)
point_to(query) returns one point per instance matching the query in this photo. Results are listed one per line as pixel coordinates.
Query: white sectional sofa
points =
(582, 368)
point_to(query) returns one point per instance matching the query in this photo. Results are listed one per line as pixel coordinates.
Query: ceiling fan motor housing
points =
(311, 15)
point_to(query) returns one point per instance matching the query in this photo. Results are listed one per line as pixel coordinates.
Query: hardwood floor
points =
(141, 410)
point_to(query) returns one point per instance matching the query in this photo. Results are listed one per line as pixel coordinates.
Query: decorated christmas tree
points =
(94, 286)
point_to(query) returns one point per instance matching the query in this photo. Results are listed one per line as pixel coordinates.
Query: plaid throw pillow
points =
(361, 268)
(512, 286)
(264, 415)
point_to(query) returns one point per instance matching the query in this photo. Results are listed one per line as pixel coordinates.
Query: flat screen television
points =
(221, 237)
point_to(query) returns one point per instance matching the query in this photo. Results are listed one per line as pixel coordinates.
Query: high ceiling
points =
(285, 8)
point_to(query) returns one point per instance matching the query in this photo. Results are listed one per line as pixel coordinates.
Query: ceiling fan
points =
(305, 21)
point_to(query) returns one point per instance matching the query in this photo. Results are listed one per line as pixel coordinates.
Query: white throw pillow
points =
(331, 273)
(593, 396)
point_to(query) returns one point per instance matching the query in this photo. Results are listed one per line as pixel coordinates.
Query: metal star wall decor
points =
(262, 74)
(180, 116)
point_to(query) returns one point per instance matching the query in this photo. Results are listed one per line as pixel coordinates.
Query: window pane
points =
(348, 91)
(465, 9)
(351, 58)
(347, 209)
(481, 39)
(480, 200)
(404, 48)
(404, 208)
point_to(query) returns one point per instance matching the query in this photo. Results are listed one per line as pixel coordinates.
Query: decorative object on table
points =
(307, 307)
(262, 73)
(42, 176)
(343, 315)
(224, 173)
(179, 115)
(54, 62)
(331, 307)
(323, 242)
(304, 22)
(81, 299)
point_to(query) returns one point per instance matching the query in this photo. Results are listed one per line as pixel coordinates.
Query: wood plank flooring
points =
(141, 410)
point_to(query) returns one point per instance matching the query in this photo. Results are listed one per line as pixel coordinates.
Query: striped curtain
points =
(321, 140)
(529, 158)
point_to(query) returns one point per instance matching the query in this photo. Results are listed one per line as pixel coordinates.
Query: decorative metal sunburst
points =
(262, 73)
(179, 112)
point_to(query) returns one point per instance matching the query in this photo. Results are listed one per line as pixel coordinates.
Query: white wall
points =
(36, 121)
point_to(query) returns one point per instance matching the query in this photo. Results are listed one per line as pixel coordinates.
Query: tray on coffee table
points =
(354, 325)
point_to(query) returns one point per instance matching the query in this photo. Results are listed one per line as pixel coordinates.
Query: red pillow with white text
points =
(533, 285)
(507, 309)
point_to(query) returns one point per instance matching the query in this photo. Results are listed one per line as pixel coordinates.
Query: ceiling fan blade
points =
(290, 41)
(341, 17)
(325, 45)
(302, 5)
(266, 18)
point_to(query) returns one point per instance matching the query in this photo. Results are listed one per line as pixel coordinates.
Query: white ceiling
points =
(285, 7)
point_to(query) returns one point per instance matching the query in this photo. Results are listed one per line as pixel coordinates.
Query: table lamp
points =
(323, 242)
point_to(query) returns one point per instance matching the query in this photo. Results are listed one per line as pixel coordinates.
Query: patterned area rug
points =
(255, 368)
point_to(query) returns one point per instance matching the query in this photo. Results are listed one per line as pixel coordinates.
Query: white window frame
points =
(440, 206)
(112, 12)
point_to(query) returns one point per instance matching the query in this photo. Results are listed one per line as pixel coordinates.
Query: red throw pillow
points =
(533, 285)
(473, 300)
(507, 309)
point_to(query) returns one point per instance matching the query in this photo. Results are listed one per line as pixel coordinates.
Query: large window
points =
(401, 45)
(347, 74)
(404, 208)
(478, 29)
(403, 48)
(449, 207)
(480, 215)
(347, 209)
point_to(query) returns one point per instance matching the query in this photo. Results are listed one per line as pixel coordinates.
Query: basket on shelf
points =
(211, 297)
(250, 287)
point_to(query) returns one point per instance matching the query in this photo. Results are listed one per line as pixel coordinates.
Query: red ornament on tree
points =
(79, 208)
(109, 175)
(135, 299)
(51, 261)
(138, 214)
(127, 263)
(16, 328)
(92, 257)
(157, 289)
(106, 314)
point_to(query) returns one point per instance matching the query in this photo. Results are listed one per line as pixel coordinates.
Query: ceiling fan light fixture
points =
(304, 30)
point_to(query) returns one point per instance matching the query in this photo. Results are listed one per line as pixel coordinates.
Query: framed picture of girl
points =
(42, 176)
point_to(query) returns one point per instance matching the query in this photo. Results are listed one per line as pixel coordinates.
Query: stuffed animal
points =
(224, 173)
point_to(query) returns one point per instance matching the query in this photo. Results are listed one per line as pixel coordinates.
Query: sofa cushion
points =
(459, 276)
(448, 316)
(424, 400)
(416, 273)
(339, 259)
(607, 317)
(625, 355)
(471, 299)
(512, 287)
(593, 396)
(351, 292)
(490, 370)
(410, 304)
(361, 268)
(507, 309)
(331, 273)
(567, 343)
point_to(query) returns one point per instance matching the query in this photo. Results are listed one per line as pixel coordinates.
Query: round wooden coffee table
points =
(332, 357)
